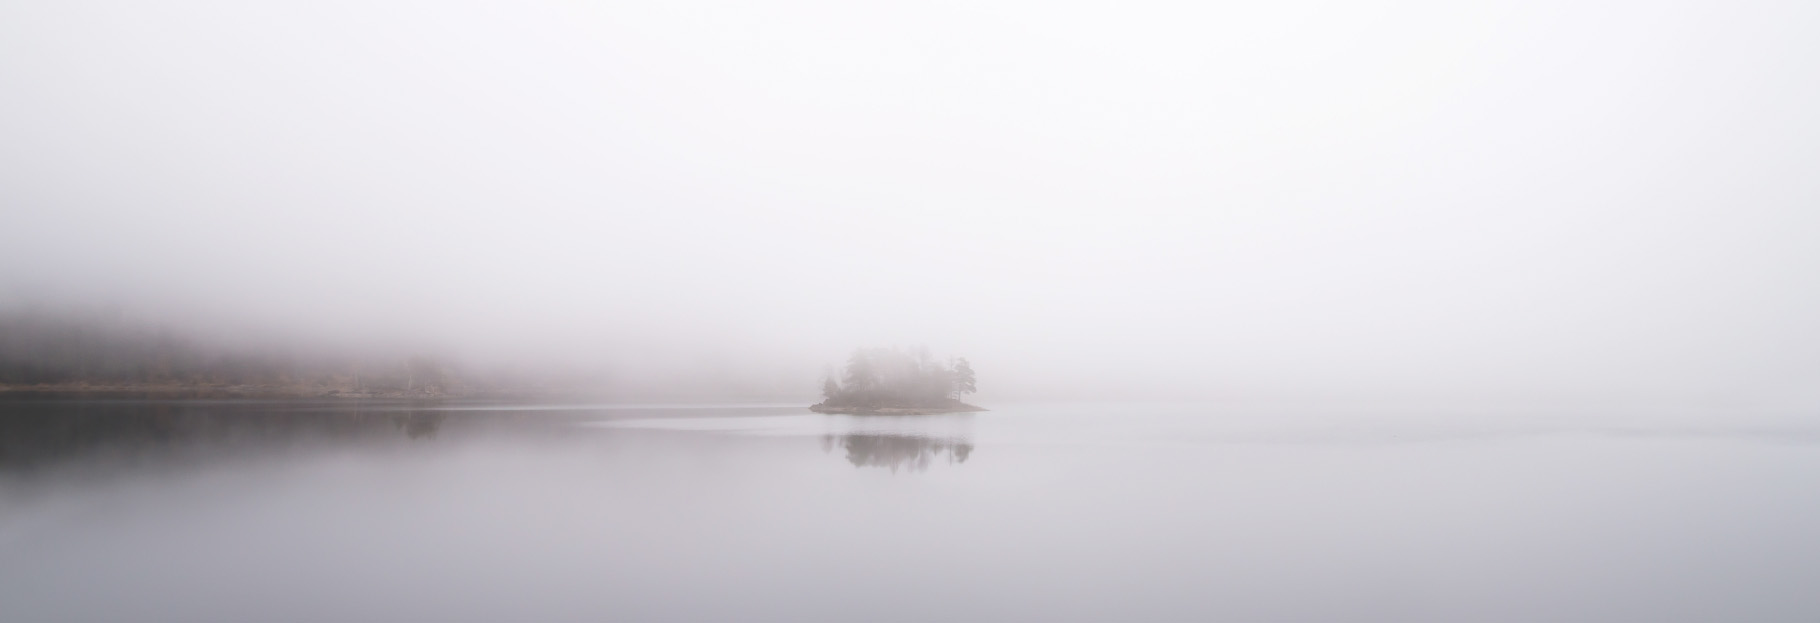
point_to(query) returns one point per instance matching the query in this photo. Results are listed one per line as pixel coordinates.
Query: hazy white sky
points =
(1573, 199)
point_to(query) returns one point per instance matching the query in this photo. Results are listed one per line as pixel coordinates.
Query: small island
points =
(887, 381)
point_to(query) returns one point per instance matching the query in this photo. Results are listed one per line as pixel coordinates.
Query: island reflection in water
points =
(897, 451)
(894, 442)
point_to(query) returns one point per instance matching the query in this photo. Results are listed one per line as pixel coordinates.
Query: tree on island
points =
(963, 377)
(890, 380)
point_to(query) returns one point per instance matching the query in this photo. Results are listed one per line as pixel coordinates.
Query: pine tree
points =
(963, 377)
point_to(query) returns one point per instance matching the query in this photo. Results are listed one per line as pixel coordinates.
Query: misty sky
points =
(1573, 200)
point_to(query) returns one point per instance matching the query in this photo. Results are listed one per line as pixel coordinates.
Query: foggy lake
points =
(659, 311)
(375, 510)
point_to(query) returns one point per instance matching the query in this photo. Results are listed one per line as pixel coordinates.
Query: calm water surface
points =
(191, 511)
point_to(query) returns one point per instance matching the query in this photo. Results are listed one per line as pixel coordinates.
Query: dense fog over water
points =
(649, 311)
(1560, 202)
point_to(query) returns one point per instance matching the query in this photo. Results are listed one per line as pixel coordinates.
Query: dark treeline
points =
(884, 378)
(64, 349)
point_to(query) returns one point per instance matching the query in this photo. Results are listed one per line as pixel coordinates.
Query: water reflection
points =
(35, 433)
(42, 432)
(911, 452)
(894, 442)
(419, 424)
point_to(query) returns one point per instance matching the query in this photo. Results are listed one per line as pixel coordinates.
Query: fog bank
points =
(1606, 202)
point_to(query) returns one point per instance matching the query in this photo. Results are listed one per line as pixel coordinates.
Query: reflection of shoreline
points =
(897, 451)
(35, 433)
(419, 424)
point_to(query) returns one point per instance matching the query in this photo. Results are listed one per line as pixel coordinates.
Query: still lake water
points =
(271, 511)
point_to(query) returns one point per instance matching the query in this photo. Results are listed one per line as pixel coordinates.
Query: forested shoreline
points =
(84, 352)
